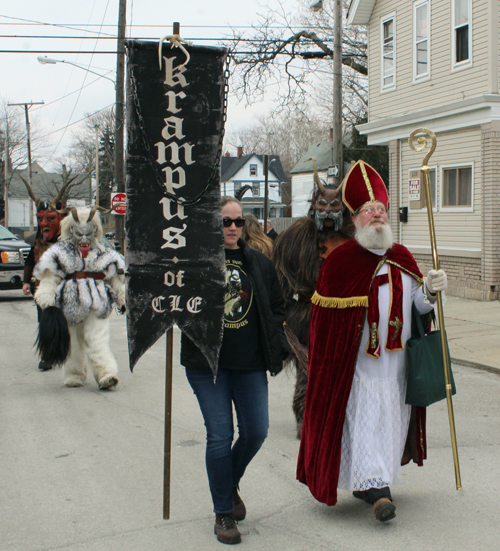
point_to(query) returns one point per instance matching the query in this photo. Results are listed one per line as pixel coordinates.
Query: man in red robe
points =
(357, 428)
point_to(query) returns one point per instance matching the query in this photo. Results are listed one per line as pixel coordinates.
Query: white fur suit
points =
(85, 289)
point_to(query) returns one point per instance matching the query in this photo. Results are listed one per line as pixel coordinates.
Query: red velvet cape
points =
(334, 340)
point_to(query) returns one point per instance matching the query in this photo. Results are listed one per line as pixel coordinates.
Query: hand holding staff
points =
(422, 141)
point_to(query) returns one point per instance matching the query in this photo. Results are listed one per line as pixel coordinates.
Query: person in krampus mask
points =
(298, 253)
(80, 282)
(48, 216)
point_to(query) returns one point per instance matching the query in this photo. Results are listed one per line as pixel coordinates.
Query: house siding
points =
(302, 189)
(491, 206)
(455, 230)
(451, 102)
(444, 86)
(468, 241)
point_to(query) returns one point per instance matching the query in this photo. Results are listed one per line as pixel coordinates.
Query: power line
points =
(73, 123)
(77, 26)
(104, 52)
(79, 91)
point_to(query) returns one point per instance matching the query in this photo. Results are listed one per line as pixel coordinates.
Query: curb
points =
(475, 365)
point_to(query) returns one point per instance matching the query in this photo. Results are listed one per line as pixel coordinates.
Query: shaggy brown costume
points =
(297, 255)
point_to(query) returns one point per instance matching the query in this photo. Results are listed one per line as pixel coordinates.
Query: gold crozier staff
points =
(422, 140)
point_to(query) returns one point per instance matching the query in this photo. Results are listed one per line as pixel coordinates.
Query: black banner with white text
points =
(174, 243)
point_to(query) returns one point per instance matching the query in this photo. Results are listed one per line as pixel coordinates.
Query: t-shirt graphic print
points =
(241, 344)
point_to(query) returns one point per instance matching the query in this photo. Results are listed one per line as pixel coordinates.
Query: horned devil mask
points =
(83, 228)
(326, 204)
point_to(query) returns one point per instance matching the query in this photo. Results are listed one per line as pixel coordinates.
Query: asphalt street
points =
(82, 469)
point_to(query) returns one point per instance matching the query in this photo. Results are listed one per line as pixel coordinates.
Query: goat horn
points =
(96, 208)
(93, 210)
(321, 187)
(31, 193)
(59, 196)
(74, 214)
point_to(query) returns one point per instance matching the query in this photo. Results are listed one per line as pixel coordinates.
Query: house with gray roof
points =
(303, 176)
(243, 177)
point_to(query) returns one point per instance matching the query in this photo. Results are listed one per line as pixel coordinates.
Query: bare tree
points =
(292, 52)
(287, 134)
(13, 124)
(82, 152)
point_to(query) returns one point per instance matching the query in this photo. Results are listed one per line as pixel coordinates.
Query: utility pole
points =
(28, 140)
(335, 174)
(266, 191)
(96, 166)
(6, 167)
(119, 121)
(337, 93)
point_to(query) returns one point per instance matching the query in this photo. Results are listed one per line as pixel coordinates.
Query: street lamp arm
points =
(48, 60)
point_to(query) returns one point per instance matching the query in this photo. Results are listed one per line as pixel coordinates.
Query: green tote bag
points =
(426, 381)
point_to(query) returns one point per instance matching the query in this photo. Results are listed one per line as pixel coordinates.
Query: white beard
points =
(375, 237)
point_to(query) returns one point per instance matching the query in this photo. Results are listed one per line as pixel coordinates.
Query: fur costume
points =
(84, 280)
(298, 253)
(48, 221)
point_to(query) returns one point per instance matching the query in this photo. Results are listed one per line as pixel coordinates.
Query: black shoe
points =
(373, 494)
(44, 366)
(384, 509)
(225, 529)
(239, 509)
(361, 495)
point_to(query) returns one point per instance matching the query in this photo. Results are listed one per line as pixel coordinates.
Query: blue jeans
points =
(226, 462)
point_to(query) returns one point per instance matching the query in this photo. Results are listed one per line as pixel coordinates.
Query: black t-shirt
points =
(241, 347)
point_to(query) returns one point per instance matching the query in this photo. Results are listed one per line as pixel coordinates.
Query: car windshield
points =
(6, 234)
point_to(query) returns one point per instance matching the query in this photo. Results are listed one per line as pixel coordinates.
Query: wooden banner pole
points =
(168, 424)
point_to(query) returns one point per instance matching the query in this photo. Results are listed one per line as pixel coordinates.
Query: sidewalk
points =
(473, 330)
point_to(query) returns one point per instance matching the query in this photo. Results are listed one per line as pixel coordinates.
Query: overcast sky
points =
(64, 29)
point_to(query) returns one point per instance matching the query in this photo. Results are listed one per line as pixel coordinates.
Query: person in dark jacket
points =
(253, 343)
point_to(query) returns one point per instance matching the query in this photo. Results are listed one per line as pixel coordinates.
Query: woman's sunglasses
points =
(238, 222)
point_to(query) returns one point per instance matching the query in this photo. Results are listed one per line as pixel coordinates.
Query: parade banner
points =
(174, 243)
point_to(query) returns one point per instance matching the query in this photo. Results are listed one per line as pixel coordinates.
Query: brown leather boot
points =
(384, 509)
(239, 509)
(226, 530)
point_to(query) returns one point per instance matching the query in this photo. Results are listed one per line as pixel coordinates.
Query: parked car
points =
(13, 253)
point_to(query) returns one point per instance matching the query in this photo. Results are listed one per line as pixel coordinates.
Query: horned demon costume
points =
(298, 253)
(48, 216)
(84, 280)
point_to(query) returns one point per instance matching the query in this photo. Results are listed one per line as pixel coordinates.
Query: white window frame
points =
(427, 75)
(466, 63)
(422, 189)
(253, 167)
(443, 208)
(256, 188)
(383, 20)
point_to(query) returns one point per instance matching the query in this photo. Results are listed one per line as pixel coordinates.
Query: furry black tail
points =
(53, 340)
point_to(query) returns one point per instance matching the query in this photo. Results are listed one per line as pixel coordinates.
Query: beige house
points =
(435, 64)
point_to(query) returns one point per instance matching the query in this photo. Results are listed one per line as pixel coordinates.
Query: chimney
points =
(240, 151)
(228, 154)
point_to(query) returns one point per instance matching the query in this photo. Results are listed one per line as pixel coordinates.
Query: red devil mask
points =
(48, 224)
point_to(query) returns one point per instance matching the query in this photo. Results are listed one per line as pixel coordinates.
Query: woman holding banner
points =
(254, 343)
